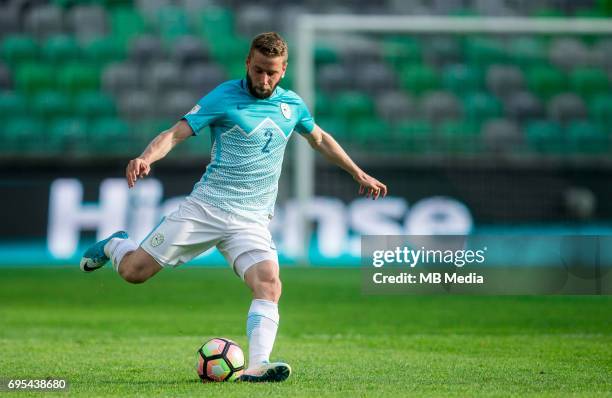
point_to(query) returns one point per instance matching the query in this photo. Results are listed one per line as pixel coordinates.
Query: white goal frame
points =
(308, 25)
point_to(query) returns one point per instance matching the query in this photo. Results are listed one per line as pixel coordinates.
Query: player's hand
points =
(370, 186)
(137, 168)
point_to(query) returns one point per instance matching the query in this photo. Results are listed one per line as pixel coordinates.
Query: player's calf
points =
(138, 266)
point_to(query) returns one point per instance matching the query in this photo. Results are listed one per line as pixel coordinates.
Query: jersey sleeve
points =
(305, 123)
(208, 109)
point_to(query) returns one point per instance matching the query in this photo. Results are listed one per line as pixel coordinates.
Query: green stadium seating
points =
(546, 81)
(111, 135)
(545, 136)
(481, 51)
(68, 135)
(34, 77)
(61, 49)
(584, 136)
(352, 105)
(94, 104)
(216, 23)
(413, 136)
(126, 23)
(478, 107)
(325, 54)
(336, 126)
(76, 77)
(17, 49)
(371, 132)
(23, 135)
(528, 51)
(50, 105)
(548, 13)
(600, 110)
(460, 136)
(103, 50)
(399, 50)
(589, 81)
(418, 79)
(462, 79)
(172, 22)
(12, 104)
(605, 6)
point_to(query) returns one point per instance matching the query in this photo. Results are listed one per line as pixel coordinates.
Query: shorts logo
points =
(157, 239)
(285, 110)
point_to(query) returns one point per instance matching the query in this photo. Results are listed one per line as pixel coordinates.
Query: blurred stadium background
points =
(472, 133)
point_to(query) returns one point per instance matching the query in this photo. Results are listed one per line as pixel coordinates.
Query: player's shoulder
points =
(290, 97)
(223, 92)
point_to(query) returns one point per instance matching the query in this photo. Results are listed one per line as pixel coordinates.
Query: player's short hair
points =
(270, 44)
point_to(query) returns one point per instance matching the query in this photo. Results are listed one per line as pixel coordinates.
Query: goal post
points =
(308, 26)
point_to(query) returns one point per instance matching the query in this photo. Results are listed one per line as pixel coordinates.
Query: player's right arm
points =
(156, 150)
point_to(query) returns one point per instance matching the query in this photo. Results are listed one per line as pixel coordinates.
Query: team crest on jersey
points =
(157, 239)
(285, 110)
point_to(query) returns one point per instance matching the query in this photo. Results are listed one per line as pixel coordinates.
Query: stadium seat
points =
(44, 21)
(373, 77)
(589, 81)
(171, 22)
(600, 110)
(176, 104)
(504, 80)
(568, 53)
(462, 78)
(202, 78)
(417, 79)
(351, 104)
(150, 8)
(9, 19)
(6, 82)
(398, 50)
(112, 136)
(584, 136)
(104, 50)
(126, 23)
(325, 54)
(254, 19)
(188, 50)
(393, 106)
(163, 76)
(51, 105)
(136, 105)
(61, 49)
(23, 135)
(480, 106)
(501, 136)
(88, 22)
(32, 77)
(545, 136)
(94, 104)
(602, 53)
(523, 106)
(527, 51)
(77, 77)
(12, 104)
(442, 50)
(481, 51)
(146, 49)
(17, 49)
(413, 135)
(334, 77)
(371, 133)
(336, 126)
(546, 81)
(215, 23)
(120, 77)
(68, 135)
(439, 106)
(566, 107)
(459, 136)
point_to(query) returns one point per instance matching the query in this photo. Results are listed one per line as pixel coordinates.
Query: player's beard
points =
(258, 93)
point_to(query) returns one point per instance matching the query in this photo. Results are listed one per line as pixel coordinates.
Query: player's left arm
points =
(325, 144)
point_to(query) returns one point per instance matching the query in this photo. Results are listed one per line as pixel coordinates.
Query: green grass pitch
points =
(109, 338)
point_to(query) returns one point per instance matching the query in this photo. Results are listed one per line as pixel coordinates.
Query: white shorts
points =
(196, 227)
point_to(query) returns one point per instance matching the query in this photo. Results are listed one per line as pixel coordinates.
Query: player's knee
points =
(270, 287)
(133, 272)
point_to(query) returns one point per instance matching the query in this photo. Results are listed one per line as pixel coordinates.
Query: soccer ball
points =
(220, 359)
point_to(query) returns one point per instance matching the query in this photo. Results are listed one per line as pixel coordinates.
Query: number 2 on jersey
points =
(268, 134)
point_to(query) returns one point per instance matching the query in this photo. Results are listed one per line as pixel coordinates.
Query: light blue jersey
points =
(249, 137)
